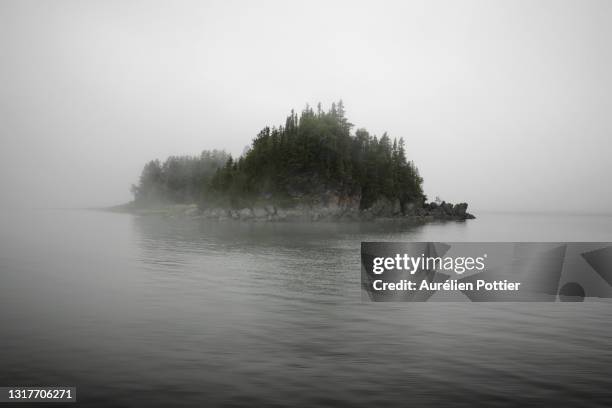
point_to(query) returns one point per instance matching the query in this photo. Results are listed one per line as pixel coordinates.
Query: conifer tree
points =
(311, 153)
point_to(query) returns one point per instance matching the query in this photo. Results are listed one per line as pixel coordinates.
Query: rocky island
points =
(312, 168)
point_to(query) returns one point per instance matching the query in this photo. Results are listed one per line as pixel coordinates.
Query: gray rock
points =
(270, 209)
(447, 208)
(244, 214)
(461, 209)
(382, 207)
(259, 212)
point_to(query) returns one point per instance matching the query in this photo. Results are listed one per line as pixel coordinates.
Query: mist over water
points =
(503, 105)
(169, 312)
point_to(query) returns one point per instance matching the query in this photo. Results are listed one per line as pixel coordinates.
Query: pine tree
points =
(311, 153)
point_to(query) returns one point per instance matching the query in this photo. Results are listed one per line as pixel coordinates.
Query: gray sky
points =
(505, 105)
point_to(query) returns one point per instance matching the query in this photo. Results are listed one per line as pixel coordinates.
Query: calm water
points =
(170, 312)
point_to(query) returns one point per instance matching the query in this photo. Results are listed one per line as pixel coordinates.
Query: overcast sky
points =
(505, 105)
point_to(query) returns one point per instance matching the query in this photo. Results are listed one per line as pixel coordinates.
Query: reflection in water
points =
(147, 310)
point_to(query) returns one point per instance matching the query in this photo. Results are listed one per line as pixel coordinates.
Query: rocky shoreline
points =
(328, 209)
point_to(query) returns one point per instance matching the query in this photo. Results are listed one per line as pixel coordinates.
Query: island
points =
(313, 167)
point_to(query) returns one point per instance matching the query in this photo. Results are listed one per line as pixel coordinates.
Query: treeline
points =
(180, 179)
(311, 153)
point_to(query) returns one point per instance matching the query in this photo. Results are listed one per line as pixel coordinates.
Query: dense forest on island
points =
(310, 154)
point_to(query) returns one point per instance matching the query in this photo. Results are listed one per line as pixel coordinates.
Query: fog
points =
(505, 105)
